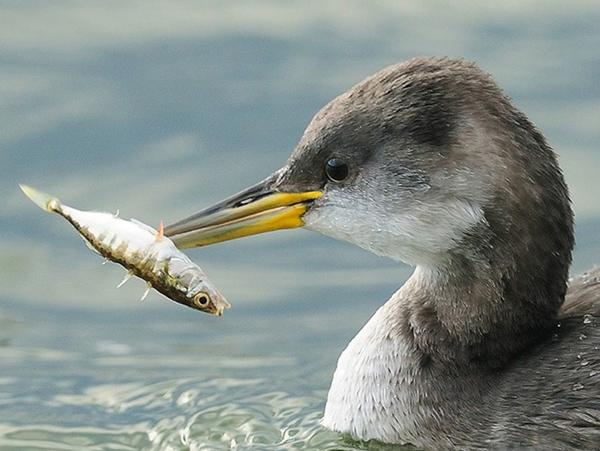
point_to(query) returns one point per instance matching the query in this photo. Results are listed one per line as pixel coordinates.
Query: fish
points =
(143, 251)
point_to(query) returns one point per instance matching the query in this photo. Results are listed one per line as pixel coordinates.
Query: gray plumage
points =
(429, 163)
(495, 359)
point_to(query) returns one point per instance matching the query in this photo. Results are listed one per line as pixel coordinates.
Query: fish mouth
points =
(258, 209)
(211, 309)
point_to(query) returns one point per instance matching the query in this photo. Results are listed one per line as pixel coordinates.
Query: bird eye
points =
(201, 299)
(336, 170)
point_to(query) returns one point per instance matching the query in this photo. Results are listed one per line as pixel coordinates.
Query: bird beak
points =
(258, 209)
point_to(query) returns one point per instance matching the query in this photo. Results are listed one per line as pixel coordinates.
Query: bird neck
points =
(445, 332)
(397, 380)
(486, 302)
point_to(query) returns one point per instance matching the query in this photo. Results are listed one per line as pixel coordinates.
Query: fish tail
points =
(41, 199)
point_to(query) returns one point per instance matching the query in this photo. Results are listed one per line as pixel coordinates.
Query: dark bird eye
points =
(336, 170)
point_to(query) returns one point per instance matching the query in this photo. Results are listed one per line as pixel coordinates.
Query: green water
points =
(161, 109)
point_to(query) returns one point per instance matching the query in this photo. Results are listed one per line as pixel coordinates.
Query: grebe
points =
(429, 163)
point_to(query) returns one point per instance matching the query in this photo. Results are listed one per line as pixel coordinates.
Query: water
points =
(160, 110)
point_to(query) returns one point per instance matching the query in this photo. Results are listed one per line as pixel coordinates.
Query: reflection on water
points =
(160, 111)
(185, 390)
(185, 414)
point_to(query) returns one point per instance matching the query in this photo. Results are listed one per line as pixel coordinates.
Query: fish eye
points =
(336, 170)
(201, 299)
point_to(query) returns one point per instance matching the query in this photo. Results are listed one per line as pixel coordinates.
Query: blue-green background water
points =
(160, 108)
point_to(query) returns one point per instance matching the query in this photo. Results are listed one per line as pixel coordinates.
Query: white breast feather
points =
(372, 395)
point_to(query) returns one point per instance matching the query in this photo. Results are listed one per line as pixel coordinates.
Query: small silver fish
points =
(143, 251)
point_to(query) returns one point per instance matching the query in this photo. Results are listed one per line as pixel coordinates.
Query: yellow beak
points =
(252, 211)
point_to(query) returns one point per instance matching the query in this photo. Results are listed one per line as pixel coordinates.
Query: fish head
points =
(194, 288)
(207, 299)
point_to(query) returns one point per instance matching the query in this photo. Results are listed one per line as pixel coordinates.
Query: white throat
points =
(417, 234)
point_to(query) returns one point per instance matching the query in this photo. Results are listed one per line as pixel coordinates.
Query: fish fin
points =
(41, 199)
(128, 275)
(143, 226)
(161, 232)
(148, 288)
